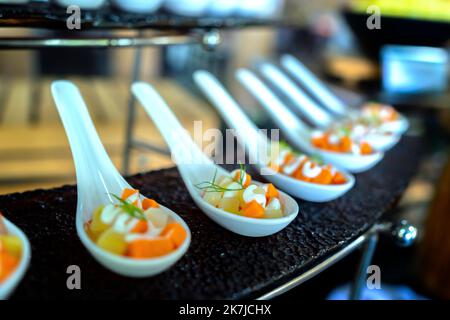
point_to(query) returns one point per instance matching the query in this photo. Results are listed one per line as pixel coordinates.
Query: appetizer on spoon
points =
(232, 200)
(297, 174)
(377, 115)
(357, 128)
(15, 254)
(339, 149)
(123, 230)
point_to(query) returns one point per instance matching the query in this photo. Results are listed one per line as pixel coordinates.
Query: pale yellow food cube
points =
(224, 181)
(97, 226)
(12, 244)
(230, 205)
(157, 216)
(273, 214)
(213, 197)
(113, 242)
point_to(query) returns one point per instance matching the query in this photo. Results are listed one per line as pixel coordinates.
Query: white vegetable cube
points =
(157, 216)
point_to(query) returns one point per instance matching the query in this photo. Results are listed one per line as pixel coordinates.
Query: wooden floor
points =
(37, 155)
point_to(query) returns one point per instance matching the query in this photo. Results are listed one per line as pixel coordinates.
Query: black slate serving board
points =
(218, 264)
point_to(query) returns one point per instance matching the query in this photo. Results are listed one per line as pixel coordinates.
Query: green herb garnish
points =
(130, 209)
(212, 186)
(317, 159)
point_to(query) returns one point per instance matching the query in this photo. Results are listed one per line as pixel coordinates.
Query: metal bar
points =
(366, 259)
(131, 115)
(320, 267)
(99, 42)
(151, 147)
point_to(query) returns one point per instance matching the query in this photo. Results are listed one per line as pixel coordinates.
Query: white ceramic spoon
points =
(97, 180)
(253, 139)
(8, 286)
(296, 131)
(195, 167)
(381, 141)
(327, 98)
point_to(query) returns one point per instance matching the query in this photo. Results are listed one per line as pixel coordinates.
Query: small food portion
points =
(375, 114)
(135, 228)
(237, 194)
(340, 140)
(10, 252)
(301, 167)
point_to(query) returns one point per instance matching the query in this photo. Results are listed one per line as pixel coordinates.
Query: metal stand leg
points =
(366, 259)
(131, 115)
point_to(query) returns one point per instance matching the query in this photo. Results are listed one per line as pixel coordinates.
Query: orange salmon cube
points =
(175, 232)
(365, 148)
(149, 203)
(150, 248)
(271, 192)
(140, 227)
(324, 177)
(253, 210)
(339, 178)
(8, 264)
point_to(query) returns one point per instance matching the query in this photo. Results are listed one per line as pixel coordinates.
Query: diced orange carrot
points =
(175, 232)
(346, 144)
(127, 193)
(365, 148)
(140, 227)
(324, 177)
(253, 210)
(248, 178)
(150, 248)
(271, 192)
(8, 264)
(339, 178)
(149, 203)
(288, 158)
(319, 142)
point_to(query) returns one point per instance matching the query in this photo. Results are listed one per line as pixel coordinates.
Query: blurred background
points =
(333, 38)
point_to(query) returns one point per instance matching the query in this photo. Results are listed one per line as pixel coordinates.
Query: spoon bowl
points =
(296, 131)
(315, 114)
(195, 167)
(319, 90)
(252, 140)
(98, 180)
(8, 286)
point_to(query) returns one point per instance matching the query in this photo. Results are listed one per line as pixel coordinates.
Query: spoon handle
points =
(184, 150)
(294, 129)
(309, 108)
(317, 88)
(97, 176)
(246, 131)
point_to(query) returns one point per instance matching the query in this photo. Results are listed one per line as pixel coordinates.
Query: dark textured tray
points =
(218, 264)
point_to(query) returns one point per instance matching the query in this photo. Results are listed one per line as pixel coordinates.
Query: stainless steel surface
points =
(404, 233)
(366, 259)
(131, 113)
(320, 267)
(163, 39)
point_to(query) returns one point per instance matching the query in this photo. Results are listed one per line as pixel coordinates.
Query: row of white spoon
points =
(97, 178)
